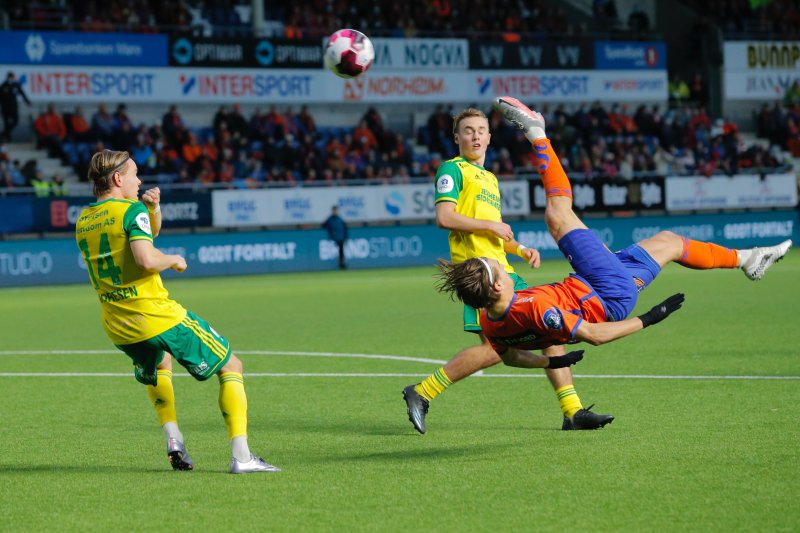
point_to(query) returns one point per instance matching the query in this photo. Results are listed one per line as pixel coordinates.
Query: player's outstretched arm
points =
(608, 331)
(525, 359)
(152, 259)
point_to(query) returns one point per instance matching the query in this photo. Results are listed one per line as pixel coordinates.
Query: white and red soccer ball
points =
(349, 53)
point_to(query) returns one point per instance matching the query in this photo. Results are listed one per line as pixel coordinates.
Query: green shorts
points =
(471, 315)
(194, 343)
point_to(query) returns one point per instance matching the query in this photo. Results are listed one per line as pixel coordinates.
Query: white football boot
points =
(762, 258)
(255, 464)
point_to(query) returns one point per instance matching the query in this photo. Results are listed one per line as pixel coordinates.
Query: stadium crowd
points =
(284, 146)
(384, 17)
(288, 147)
(309, 19)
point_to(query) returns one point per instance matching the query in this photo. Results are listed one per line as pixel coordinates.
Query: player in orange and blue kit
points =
(592, 304)
(468, 204)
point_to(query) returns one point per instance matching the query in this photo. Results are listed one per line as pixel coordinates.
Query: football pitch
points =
(706, 436)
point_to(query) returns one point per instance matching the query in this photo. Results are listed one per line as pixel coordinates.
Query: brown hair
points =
(467, 113)
(102, 168)
(467, 281)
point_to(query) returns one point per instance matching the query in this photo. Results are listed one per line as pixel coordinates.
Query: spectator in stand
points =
(210, 150)
(102, 124)
(276, 123)
(374, 122)
(58, 186)
(50, 131)
(678, 90)
(78, 127)
(205, 170)
(222, 117)
(226, 167)
(143, 153)
(307, 121)
(237, 124)
(171, 125)
(15, 172)
(258, 126)
(364, 138)
(10, 91)
(125, 136)
(192, 151)
(121, 118)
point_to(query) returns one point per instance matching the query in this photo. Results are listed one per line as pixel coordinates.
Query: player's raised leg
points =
(162, 394)
(233, 404)
(559, 216)
(665, 247)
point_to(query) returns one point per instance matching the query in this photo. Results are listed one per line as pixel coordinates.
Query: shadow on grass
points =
(439, 453)
(82, 469)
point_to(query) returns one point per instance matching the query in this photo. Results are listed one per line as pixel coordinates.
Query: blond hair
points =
(467, 113)
(468, 281)
(102, 168)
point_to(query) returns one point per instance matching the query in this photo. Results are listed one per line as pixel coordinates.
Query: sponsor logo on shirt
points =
(444, 184)
(143, 221)
(552, 318)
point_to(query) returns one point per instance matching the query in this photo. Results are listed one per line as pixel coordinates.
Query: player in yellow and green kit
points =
(115, 235)
(468, 204)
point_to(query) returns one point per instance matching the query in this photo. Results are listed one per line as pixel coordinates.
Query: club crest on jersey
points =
(552, 318)
(445, 183)
(143, 221)
(639, 284)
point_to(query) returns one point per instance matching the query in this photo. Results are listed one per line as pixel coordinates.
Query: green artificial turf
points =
(702, 440)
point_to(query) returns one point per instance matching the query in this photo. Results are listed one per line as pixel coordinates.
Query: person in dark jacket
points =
(337, 232)
(9, 91)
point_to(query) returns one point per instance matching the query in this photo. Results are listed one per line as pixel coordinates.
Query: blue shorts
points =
(617, 278)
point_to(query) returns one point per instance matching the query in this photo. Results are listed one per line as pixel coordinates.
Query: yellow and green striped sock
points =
(568, 400)
(433, 385)
(233, 403)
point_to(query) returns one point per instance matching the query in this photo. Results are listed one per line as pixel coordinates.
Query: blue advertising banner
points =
(16, 214)
(58, 261)
(49, 262)
(178, 210)
(630, 55)
(73, 48)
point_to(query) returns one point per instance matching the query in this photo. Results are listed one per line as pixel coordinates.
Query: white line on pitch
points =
(340, 374)
(240, 352)
(388, 375)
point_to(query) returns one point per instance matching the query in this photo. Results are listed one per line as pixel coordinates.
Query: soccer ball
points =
(349, 53)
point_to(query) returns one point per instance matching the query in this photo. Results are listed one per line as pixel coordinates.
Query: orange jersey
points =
(543, 316)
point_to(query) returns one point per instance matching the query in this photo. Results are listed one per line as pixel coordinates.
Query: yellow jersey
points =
(476, 194)
(135, 305)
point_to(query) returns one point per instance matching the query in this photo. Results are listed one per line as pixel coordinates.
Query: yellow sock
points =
(433, 385)
(568, 399)
(233, 403)
(163, 397)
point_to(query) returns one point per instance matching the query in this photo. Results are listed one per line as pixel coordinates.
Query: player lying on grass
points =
(115, 236)
(593, 304)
